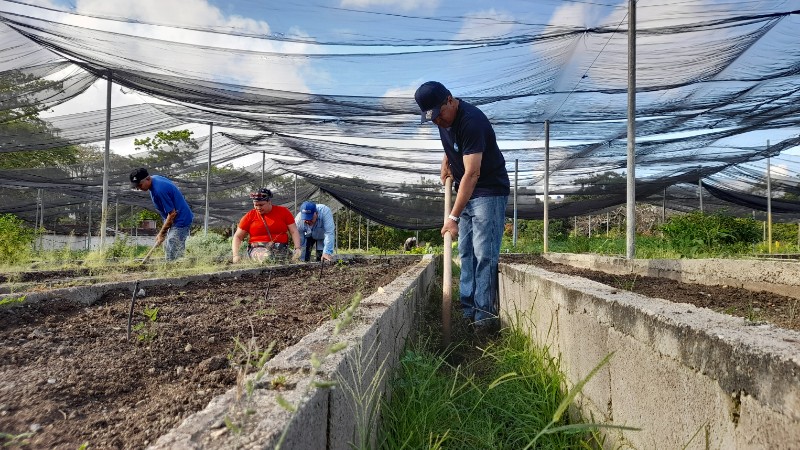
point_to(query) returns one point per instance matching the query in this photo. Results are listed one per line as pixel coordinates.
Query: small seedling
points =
(336, 309)
(246, 358)
(753, 313)
(278, 382)
(626, 285)
(14, 440)
(146, 330)
(11, 301)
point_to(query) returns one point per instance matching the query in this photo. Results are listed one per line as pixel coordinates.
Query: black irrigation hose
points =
(130, 310)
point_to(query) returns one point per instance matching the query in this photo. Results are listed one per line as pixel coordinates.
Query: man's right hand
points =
(445, 173)
(236, 258)
(160, 238)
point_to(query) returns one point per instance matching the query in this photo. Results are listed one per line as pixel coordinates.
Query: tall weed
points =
(15, 239)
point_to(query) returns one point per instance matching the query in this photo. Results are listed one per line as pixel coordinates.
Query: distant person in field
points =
(172, 207)
(317, 231)
(474, 161)
(269, 227)
(410, 243)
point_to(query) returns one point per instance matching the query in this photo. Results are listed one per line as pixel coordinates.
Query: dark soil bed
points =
(68, 376)
(754, 306)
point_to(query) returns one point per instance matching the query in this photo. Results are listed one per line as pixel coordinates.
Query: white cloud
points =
(212, 56)
(578, 15)
(486, 24)
(182, 12)
(404, 5)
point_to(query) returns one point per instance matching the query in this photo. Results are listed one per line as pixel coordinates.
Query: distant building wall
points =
(60, 241)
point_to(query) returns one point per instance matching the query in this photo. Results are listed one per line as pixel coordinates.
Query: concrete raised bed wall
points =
(325, 418)
(780, 277)
(687, 376)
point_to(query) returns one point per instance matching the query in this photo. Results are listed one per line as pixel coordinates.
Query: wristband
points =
(454, 218)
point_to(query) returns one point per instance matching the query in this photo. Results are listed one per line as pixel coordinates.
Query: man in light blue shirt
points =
(317, 230)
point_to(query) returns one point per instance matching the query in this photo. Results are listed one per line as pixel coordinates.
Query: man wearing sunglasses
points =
(474, 161)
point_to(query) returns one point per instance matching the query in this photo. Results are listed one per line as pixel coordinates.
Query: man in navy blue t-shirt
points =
(478, 168)
(172, 207)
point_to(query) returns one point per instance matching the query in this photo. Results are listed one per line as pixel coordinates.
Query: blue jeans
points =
(175, 242)
(480, 233)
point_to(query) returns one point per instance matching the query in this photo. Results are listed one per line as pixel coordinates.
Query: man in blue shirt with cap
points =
(317, 230)
(172, 207)
(474, 161)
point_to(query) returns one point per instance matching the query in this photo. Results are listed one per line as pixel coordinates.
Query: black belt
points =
(273, 245)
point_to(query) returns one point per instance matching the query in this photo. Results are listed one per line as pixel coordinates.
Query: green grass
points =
(503, 399)
(647, 247)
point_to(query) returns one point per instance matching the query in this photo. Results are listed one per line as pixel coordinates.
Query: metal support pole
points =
(116, 218)
(367, 235)
(359, 231)
(89, 232)
(296, 207)
(590, 225)
(630, 235)
(700, 192)
(546, 199)
(36, 219)
(263, 166)
(608, 223)
(664, 207)
(769, 203)
(349, 230)
(208, 175)
(516, 186)
(106, 164)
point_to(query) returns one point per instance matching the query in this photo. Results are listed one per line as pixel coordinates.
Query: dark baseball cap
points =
(430, 96)
(307, 210)
(137, 176)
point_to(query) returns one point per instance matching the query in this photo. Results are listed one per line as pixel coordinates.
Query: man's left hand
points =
(327, 257)
(160, 238)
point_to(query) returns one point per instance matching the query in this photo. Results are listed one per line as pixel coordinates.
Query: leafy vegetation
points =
(208, 247)
(15, 239)
(696, 232)
(146, 331)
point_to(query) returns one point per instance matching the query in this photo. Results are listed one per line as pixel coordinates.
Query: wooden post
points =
(447, 289)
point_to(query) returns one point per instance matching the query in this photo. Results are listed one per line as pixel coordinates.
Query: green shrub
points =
(121, 248)
(698, 232)
(787, 235)
(533, 230)
(208, 247)
(15, 239)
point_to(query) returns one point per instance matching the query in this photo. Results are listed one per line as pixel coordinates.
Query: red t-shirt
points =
(278, 220)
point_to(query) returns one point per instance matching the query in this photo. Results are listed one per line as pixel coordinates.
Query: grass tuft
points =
(509, 397)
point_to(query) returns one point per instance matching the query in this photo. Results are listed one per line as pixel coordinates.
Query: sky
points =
(297, 28)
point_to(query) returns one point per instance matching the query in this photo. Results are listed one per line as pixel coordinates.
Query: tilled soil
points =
(754, 306)
(68, 376)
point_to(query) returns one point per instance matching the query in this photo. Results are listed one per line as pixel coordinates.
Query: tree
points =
(19, 119)
(168, 150)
